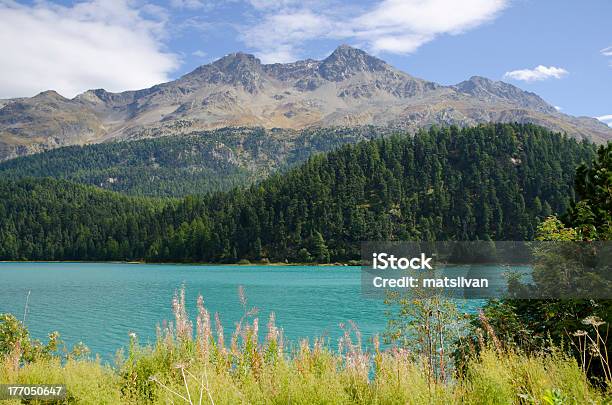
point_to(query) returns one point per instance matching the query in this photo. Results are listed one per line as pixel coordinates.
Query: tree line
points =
(174, 166)
(494, 181)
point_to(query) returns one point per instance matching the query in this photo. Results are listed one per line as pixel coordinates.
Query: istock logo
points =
(383, 261)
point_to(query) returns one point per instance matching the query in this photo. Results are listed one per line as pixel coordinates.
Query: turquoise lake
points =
(101, 303)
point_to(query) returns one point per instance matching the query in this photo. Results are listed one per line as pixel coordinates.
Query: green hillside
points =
(181, 165)
(493, 181)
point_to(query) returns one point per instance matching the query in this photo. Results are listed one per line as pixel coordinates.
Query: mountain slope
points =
(348, 88)
(196, 163)
(492, 181)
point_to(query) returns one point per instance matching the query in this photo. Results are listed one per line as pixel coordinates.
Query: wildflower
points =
(272, 330)
(219, 328)
(242, 296)
(594, 350)
(592, 320)
(255, 328)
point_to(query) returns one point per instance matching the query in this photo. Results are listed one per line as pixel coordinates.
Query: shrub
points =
(191, 362)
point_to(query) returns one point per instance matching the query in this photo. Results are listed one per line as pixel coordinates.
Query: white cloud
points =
(188, 4)
(402, 26)
(277, 36)
(199, 5)
(280, 54)
(199, 53)
(272, 4)
(92, 44)
(538, 73)
(558, 108)
(606, 119)
(396, 26)
(607, 52)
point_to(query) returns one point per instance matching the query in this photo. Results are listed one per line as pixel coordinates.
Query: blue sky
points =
(561, 50)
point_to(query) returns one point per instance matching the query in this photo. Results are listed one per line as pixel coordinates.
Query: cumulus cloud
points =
(538, 73)
(606, 119)
(402, 26)
(92, 44)
(396, 26)
(277, 36)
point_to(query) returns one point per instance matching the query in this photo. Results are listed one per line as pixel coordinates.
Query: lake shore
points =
(239, 263)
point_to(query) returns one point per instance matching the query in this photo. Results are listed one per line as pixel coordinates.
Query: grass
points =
(195, 363)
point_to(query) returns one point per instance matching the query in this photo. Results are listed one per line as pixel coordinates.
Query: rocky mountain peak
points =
(478, 86)
(347, 50)
(481, 84)
(491, 90)
(346, 61)
(94, 96)
(236, 69)
(236, 61)
(50, 95)
(348, 88)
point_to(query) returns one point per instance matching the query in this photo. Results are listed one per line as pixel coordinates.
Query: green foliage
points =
(591, 216)
(53, 220)
(534, 324)
(319, 248)
(428, 327)
(15, 342)
(184, 365)
(195, 163)
(488, 182)
(86, 381)
(520, 378)
(552, 229)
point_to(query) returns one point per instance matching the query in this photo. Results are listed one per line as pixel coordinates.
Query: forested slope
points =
(492, 181)
(198, 163)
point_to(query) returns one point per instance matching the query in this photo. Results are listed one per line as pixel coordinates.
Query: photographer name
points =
(441, 282)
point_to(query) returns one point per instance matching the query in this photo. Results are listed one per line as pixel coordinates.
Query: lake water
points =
(101, 303)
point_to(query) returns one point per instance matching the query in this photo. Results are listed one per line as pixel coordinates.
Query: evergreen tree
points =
(319, 248)
(442, 184)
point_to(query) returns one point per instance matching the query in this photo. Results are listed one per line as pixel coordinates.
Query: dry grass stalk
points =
(487, 326)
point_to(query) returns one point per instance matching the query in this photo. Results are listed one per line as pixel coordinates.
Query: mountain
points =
(348, 88)
(194, 163)
(494, 181)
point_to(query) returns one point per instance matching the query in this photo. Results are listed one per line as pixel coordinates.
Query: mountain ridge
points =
(346, 89)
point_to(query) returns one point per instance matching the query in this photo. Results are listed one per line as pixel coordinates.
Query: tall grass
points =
(193, 362)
